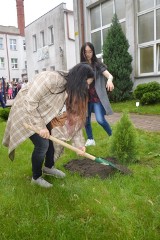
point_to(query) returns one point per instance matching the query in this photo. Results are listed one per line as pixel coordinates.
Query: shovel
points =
(102, 161)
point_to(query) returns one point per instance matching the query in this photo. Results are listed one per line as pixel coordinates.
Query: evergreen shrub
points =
(150, 98)
(123, 144)
(118, 61)
(148, 93)
(4, 113)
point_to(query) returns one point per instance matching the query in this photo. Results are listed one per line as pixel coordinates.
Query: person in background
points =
(37, 104)
(10, 92)
(98, 98)
(24, 83)
(14, 87)
(1, 96)
(19, 85)
(7, 87)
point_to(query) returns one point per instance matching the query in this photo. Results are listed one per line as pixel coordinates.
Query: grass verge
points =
(130, 106)
(118, 208)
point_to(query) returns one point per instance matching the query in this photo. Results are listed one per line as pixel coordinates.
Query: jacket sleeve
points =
(40, 88)
(101, 67)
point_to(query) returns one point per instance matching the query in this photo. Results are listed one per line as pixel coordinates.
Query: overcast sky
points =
(33, 10)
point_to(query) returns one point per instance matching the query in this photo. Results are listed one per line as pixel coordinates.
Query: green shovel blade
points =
(121, 168)
(104, 162)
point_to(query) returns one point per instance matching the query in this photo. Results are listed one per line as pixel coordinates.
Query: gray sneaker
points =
(53, 172)
(41, 182)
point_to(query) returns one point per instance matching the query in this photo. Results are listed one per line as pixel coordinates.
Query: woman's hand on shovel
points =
(83, 149)
(44, 133)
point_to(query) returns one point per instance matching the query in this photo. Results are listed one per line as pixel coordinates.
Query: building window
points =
(52, 68)
(24, 45)
(158, 24)
(101, 18)
(13, 44)
(1, 43)
(14, 63)
(107, 7)
(158, 58)
(36, 71)
(1, 62)
(43, 69)
(96, 39)
(105, 32)
(146, 60)
(145, 22)
(148, 37)
(42, 38)
(51, 35)
(145, 4)
(95, 17)
(34, 43)
(15, 80)
(120, 9)
(158, 2)
(25, 64)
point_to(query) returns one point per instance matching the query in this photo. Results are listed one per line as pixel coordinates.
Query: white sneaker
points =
(41, 182)
(90, 142)
(54, 172)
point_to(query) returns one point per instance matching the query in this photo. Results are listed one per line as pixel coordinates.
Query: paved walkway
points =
(146, 122)
(149, 123)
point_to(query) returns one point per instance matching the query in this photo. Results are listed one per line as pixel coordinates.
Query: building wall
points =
(137, 13)
(59, 55)
(70, 40)
(7, 33)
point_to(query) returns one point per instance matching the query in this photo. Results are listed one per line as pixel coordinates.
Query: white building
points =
(12, 54)
(50, 42)
(140, 21)
(13, 65)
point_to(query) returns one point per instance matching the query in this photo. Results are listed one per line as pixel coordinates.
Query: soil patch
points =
(89, 168)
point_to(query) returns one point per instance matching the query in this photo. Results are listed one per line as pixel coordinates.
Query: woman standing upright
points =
(98, 98)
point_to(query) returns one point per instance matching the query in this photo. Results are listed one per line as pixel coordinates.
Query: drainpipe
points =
(7, 58)
(82, 22)
(76, 30)
(78, 27)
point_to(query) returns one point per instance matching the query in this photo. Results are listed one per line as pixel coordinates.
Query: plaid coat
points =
(36, 104)
(61, 132)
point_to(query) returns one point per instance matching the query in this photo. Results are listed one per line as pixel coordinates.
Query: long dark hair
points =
(82, 53)
(77, 90)
(95, 62)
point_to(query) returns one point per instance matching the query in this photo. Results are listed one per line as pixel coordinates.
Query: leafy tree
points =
(118, 61)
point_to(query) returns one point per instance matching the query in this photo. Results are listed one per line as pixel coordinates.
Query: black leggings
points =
(43, 150)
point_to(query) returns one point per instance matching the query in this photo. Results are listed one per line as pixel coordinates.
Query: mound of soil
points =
(89, 168)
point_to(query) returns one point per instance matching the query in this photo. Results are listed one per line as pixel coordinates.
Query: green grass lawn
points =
(130, 106)
(77, 208)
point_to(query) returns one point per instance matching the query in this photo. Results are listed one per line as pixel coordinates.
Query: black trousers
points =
(43, 152)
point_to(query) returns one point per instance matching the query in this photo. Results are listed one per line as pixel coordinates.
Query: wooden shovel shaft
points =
(78, 151)
(64, 144)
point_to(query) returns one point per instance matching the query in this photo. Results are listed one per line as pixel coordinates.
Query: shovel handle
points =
(64, 144)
